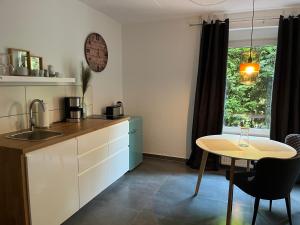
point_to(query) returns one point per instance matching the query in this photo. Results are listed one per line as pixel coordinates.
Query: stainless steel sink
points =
(36, 135)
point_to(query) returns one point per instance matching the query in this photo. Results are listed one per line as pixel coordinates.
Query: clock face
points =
(96, 53)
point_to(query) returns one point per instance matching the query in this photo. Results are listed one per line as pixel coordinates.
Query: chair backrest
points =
(293, 140)
(275, 178)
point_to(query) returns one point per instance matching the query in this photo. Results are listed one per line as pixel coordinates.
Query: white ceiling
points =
(132, 11)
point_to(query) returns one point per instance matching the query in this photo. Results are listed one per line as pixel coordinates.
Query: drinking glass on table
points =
(244, 137)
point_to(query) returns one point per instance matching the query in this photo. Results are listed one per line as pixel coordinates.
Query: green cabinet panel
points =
(135, 141)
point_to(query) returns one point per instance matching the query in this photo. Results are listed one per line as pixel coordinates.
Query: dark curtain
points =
(210, 89)
(285, 118)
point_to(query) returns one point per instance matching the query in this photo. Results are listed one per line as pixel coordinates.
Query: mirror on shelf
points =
(20, 60)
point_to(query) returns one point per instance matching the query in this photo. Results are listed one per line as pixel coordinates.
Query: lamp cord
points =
(252, 30)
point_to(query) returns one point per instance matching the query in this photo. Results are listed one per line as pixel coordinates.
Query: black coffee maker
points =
(73, 109)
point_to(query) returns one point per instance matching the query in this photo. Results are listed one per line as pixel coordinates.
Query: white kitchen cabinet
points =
(102, 163)
(118, 144)
(118, 166)
(93, 181)
(64, 177)
(118, 130)
(88, 160)
(92, 140)
(53, 183)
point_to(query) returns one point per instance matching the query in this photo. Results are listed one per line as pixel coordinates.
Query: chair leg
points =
(288, 208)
(270, 207)
(256, 205)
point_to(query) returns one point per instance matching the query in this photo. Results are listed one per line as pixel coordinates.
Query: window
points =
(250, 104)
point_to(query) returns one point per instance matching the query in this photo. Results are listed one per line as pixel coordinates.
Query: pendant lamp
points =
(249, 69)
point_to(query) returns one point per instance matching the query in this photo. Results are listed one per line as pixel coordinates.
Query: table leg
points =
(230, 193)
(201, 171)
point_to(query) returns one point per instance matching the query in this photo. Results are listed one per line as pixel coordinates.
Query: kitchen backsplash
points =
(15, 100)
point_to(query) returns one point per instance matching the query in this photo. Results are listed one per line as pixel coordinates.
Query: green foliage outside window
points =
(249, 104)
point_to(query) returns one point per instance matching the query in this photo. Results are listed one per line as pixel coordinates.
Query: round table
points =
(228, 145)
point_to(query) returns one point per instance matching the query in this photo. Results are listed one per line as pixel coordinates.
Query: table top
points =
(228, 145)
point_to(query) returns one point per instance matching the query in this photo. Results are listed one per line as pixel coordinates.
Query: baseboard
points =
(170, 158)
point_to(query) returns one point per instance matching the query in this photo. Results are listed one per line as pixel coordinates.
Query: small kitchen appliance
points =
(73, 109)
(112, 112)
(115, 111)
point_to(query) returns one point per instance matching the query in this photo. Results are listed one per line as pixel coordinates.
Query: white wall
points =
(56, 30)
(160, 61)
(160, 67)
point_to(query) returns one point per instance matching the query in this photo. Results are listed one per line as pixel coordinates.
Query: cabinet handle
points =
(133, 131)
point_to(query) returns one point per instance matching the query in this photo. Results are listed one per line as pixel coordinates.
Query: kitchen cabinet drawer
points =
(119, 165)
(92, 140)
(119, 144)
(118, 130)
(53, 183)
(92, 157)
(93, 181)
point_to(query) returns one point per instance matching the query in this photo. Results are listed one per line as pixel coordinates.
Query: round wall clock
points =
(96, 53)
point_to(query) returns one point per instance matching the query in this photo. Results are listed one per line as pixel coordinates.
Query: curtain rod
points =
(237, 20)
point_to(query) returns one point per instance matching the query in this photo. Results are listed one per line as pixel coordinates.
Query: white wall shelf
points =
(33, 80)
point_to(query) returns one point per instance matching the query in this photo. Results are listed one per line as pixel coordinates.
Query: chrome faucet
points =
(31, 122)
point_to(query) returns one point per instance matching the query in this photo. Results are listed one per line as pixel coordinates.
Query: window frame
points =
(256, 132)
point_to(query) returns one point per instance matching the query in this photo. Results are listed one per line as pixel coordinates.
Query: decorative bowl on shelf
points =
(21, 71)
(5, 67)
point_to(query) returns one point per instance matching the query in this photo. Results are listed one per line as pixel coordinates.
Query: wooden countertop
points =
(70, 130)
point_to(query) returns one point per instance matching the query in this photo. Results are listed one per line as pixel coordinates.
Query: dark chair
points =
(272, 180)
(292, 140)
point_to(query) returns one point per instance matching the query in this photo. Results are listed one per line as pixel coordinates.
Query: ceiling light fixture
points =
(249, 70)
(207, 2)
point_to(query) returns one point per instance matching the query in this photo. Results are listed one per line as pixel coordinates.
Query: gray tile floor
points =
(160, 192)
